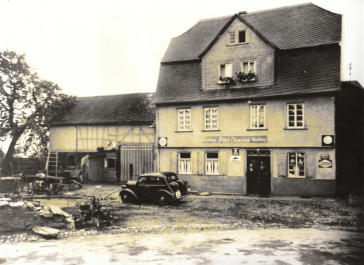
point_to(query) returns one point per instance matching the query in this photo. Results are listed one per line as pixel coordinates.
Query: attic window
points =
(237, 37)
(242, 36)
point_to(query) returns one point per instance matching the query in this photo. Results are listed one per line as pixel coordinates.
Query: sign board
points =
(235, 139)
(325, 161)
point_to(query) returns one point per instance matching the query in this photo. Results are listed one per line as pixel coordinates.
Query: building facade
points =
(114, 133)
(246, 103)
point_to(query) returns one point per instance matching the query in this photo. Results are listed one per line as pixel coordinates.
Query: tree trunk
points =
(6, 163)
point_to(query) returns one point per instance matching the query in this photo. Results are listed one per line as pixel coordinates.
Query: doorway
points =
(258, 172)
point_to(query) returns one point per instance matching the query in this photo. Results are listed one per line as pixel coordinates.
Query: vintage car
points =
(160, 188)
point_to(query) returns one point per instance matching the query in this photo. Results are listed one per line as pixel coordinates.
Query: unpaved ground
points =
(197, 213)
(265, 246)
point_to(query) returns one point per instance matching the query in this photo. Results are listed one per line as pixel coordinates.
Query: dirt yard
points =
(224, 210)
(214, 212)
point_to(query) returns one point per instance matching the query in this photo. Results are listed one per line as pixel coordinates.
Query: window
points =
(212, 163)
(211, 118)
(242, 36)
(184, 119)
(225, 72)
(237, 37)
(232, 37)
(184, 163)
(296, 165)
(257, 116)
(110, 162)
(295, 116)
(248, 71)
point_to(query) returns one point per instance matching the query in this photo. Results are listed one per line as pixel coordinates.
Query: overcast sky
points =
(111, 47)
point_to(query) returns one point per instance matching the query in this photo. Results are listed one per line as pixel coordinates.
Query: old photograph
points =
(181, 132)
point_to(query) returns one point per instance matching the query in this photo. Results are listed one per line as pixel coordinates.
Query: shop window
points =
(110, 163)
(184, 119)
(296, 165)
(71, 161)
(295, 115)
(257, 116)
(212, 163)
(184, 163)
(211, 118)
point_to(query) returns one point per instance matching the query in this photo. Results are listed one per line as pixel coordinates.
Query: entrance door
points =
(258, 172)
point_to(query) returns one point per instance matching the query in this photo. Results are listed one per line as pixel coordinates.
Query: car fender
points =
(129, 191)
(162, 191)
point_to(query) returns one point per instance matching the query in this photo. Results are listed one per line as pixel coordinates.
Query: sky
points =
(110, 47)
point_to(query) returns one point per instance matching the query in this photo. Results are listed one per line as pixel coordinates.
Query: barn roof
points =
(124, 109)
(290, 27)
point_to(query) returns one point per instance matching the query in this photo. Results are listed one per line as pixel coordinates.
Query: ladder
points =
(52, 163)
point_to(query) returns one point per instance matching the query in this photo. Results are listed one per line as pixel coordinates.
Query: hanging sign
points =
(325, 161)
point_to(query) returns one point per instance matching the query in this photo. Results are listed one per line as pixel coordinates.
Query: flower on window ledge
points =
(243, 77)
(226, 80)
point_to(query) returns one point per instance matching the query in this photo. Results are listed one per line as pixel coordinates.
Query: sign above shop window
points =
(327, 140)
(235, 139)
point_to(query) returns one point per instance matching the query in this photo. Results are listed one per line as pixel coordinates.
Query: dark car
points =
(153, 187)
(183, 185)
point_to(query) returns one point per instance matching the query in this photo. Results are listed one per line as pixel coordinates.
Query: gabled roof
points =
(291, 27)
(124, 109)
(300, 72)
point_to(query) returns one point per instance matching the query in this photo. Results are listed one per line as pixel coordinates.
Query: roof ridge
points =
(113, 95)
(276, 8)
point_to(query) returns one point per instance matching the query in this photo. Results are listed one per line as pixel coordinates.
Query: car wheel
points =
(161, 199)
(125, 198)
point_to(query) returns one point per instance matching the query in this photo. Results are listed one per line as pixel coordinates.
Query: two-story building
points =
(115, 133)
(246, 103)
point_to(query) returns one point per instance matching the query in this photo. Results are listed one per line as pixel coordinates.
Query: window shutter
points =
(282, 164)
(228, 70)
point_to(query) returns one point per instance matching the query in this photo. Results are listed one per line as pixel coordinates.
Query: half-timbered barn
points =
(115, 134)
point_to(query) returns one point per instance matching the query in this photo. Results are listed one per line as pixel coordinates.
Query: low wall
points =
(303, 187)
(220, 183)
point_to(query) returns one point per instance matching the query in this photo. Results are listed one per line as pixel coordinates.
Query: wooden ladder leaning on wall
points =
(52, 163)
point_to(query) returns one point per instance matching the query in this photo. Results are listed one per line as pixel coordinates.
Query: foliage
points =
(28, 105)
(245, 77)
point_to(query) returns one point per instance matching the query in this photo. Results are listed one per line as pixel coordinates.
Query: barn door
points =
(135, 160)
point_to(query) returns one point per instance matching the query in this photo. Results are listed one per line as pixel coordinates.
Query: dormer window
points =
(237, 37)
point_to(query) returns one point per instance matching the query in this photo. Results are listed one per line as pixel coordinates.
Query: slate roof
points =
(291, 27)
(300, 72)
(124, 109)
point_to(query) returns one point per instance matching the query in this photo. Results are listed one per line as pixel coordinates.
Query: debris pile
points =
(93, 213)
(18, 215)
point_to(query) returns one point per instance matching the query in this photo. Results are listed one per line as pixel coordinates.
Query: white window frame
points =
(212, 166)
(295, 121)
(254, 109)
(296, 169)
(220, 74)
(184, 117)
(184, 164)
(249, 67)
(209, 123)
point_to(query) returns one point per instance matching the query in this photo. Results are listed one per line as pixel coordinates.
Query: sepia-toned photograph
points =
(181, 132)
